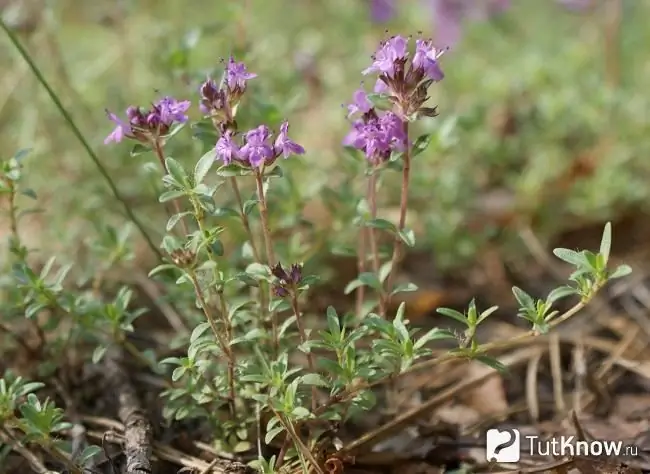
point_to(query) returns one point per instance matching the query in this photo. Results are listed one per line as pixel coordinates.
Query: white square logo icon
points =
(503, 445)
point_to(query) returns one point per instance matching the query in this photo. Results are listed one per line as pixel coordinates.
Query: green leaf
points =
(300, 413)
(371, 280)
(275, 172)
(404, 288)
(620, 271)
(139, 149)
(453, 314)
(271, 434)
(524, 299)
(559, 293)
(314, 379)
(161, 268)
(171, 195)
(249, 206)
(333, 324)
(173, 220)
(407, 236)
(176, 170)
(382, 224)
(384, 271)
(199, 330)
(203, 165)
(434, 334)
(98, 354)
(570, 256)
(606, 242)
(87, 453)
(233, 169)
(492, 362)
(258, 271)
(225, 212)
(421, 143)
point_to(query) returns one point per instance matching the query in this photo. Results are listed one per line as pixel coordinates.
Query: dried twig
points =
(137, 428)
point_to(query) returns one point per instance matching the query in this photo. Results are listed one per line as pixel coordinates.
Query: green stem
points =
(224, 344)
(77, 133)
(270, 255)
(403, 208)
(372, 232)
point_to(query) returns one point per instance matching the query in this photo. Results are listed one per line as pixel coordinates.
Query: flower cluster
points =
(257, 150)
(406, 82)
(220, 101)
(146, 125)
(288, 280)
(376, 133)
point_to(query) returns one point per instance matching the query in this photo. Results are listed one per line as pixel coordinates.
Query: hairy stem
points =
(177, 205)
(224, 344)
(77, 133)
(403, 207)
(303, 339)
(244, 219)
(268, 243)
(372, 233)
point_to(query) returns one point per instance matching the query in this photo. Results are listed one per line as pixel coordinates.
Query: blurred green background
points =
(543, 111)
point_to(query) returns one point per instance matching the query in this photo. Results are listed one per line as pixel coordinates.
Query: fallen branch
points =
(137, 428)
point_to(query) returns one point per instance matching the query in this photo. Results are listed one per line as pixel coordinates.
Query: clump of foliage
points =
(253, 369)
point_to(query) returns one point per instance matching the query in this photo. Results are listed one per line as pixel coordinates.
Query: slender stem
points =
(13, 213)
(77, 133)
(244, 219)
(518, 340)
(177, 205)
(300, 446)
(225, 347)
(268, 243)
(372, 232)
(403, 207)
(264, 215)
(361, 267)
(303, 339)
(20, 448)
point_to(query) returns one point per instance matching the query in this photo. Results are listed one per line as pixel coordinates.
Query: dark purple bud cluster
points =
(147, 125)
(220, 101)
(255, 149)
(288, 280)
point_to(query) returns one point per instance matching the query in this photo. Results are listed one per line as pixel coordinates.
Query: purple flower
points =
(227, 150)
(284, 145)
(360, 103)
(389, 53)
(237, 75)
(147, 125)
(382, 10)
(171, 110)
(377, 136)
(257, 151)
(121, 130)
(426, 57)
